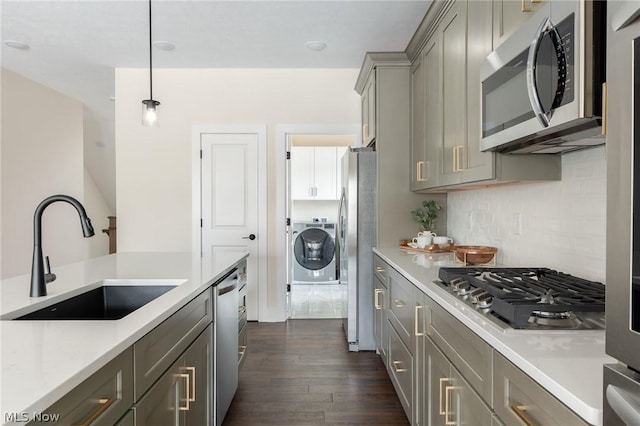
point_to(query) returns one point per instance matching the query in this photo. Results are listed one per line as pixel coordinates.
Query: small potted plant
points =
(426, 215)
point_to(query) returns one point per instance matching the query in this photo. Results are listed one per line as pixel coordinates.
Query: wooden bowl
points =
(475, 255)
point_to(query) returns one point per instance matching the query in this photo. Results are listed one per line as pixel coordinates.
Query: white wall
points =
(563, 224)
(42, 155)
(153, 166)
(305, 211)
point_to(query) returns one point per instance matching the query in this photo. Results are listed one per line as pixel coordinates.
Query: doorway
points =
(314, 176)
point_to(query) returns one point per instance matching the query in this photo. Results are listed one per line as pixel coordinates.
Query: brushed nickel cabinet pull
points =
(376, 299)
(192, 396)
(448, 422)
(416, 316)
(399, 303)
(398, 369)
(441, 409)
(521, 412)
(187, 398)
(380, 270)
(104, 404)
(365, 131)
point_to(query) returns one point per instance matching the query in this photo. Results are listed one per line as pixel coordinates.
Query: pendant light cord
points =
(150, 57)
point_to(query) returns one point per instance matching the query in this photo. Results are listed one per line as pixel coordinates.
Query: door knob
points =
(250, 237)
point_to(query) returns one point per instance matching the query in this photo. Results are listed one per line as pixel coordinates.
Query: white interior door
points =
(230, 207)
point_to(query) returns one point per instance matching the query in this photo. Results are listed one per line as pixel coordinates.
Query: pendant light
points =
(150, 106)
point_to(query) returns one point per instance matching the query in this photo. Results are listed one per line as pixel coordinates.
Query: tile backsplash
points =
(559, 225)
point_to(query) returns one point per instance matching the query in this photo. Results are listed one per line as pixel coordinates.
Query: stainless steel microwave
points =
(542, 88)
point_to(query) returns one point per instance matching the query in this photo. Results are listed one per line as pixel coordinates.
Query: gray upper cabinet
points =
(369, 110)
(446, 51)
(508, 15)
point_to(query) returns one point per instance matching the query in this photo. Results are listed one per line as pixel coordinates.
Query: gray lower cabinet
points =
(380, 316)
(182, 395)
(156, 351)
(100, 400)
(521, 401)
(443, 373)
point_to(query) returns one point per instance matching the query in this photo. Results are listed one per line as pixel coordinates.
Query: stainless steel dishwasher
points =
(226, 342)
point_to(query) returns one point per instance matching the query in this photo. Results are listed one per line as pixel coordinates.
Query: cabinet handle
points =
(376, 299)
(604, 108)
(415, 321)
(419, 177)
(521, 412)
(399, 303)
(242, 351)
(187, 399)
(448, 422)
(398, 369)
(380, 270)
(441, 409)
(104, 404)
(365, 131)
(523, 6)
(457, 162)
(192, 396)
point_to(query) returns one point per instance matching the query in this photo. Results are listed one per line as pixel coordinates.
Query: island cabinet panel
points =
(183, 394)
(401, 371)
(157, 350)
(98, 401)
(521, 401)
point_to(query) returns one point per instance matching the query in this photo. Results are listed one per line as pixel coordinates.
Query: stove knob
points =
(455, 283)
(464, 288)
(485, 301)
(473, 295)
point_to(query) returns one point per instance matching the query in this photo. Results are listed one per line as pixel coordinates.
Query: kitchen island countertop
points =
(41, 361)
(567, 363)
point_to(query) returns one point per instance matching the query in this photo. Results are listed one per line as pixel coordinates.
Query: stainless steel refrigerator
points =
(356, 236)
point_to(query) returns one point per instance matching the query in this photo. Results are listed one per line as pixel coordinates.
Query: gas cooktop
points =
(529, 298)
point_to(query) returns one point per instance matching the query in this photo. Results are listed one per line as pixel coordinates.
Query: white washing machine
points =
(313, 253)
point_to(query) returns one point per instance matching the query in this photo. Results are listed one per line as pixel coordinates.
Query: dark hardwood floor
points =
(301, 373)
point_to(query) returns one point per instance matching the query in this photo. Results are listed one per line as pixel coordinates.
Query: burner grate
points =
(517, 292)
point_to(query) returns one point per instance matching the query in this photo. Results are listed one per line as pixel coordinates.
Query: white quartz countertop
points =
(43, 360)
(568, 364)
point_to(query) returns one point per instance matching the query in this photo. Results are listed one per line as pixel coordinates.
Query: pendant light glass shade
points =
(150, 106)
(150, 113)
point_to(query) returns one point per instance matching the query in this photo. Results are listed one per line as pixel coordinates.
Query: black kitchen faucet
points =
(39, 278)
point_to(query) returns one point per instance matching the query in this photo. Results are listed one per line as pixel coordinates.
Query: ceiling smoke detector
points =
(16, 44)
(316, 45)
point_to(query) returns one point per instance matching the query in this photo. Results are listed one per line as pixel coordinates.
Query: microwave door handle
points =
(532, 85)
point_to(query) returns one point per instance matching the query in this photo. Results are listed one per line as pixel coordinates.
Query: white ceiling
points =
(76, 45)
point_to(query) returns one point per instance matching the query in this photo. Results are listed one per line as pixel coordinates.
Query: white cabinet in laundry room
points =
(314, 173)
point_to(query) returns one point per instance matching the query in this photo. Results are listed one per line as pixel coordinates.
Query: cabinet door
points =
(431, 169)
(402, 371)
(166, 401)
(467, 406)
(325, 172)
(198, 360)
(509, 15)
(453, 33)
(380, 317)
(421, 391)
(476, 165)
(438, 370)
(418, 115)
(101, 399)
(302, 172)
(369, 110)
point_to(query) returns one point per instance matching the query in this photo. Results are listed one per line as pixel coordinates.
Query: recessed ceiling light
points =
(316, 45)
(16, 44)
(164, 45)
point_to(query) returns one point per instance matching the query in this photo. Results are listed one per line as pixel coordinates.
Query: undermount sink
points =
(111, 300)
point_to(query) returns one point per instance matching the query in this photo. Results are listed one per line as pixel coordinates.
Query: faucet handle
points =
(48, 276)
